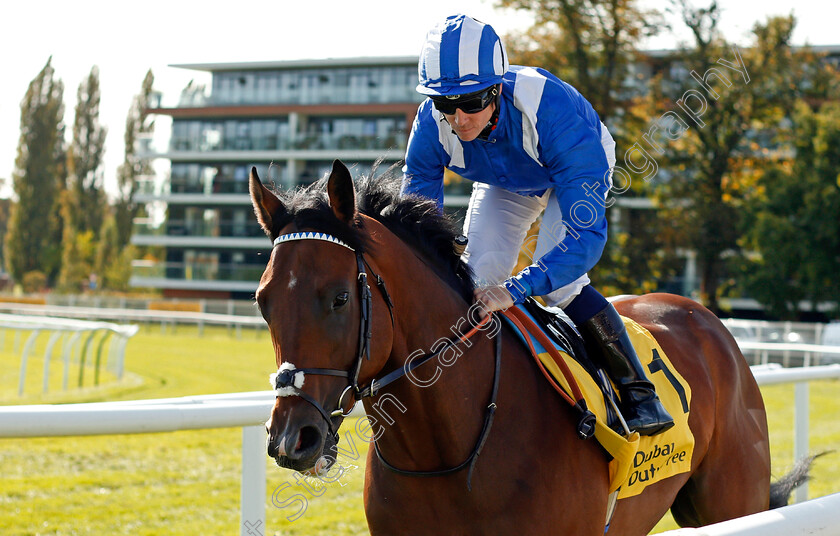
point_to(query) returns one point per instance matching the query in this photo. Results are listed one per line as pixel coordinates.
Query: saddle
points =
(566, 338)
(634, 462)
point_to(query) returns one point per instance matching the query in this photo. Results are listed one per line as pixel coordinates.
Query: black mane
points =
(416, 220)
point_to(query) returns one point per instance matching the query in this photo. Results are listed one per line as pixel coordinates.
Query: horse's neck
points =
(443, 402)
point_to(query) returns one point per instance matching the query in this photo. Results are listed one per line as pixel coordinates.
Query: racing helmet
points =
(460, 55)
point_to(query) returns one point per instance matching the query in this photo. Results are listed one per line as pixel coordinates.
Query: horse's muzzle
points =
(308, 448)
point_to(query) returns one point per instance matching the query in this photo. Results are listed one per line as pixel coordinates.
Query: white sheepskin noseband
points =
(297, 382)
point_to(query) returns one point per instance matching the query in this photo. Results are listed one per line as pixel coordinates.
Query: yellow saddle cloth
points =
(638, 461)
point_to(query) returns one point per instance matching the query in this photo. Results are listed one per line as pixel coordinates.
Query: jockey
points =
(533, 145)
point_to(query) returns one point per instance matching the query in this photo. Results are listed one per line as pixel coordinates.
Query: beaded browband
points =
(310, 236)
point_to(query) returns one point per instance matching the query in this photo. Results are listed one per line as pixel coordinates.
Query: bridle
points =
(284, 379)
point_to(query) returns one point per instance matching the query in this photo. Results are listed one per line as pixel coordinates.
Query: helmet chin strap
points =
(494, 119)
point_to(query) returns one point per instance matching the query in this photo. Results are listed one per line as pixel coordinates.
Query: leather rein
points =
(284, 381)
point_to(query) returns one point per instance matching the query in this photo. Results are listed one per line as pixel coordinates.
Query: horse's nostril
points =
(308, 439)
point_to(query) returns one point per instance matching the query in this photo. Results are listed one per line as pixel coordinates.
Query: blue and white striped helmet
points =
(461, 55)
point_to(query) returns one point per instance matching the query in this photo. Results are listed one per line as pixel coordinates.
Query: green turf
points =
(188, 482)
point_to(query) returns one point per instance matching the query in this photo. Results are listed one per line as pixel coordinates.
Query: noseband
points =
(284, 381)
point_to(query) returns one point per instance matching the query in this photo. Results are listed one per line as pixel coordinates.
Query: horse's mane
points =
(415, 219)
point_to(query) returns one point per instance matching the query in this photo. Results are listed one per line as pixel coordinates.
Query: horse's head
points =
(319, 309)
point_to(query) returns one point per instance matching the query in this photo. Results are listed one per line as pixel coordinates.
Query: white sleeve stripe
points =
(527, 94)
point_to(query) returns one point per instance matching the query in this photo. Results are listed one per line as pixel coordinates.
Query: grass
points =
(188, 482)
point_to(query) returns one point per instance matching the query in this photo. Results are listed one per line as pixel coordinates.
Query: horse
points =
(366, 299)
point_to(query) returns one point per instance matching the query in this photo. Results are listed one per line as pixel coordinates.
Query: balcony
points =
(181, 190)
(304, 142)
(225, 235)
(196, 275)
(200, 228)
(144, 145)
(203, 271)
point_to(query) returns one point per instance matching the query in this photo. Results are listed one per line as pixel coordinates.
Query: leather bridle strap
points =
(363, 352)
(410, 366)
(284, 379)
(471, 460)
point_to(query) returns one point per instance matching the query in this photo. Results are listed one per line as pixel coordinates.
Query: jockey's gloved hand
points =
(492, 298)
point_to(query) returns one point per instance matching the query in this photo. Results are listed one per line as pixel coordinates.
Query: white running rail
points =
(73, 331)
(249, 411)
(817, 517)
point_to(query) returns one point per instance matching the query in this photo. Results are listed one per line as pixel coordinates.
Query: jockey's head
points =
(461, 68)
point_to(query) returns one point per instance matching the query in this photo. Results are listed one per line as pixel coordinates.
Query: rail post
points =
(253, 487)
(800, 432)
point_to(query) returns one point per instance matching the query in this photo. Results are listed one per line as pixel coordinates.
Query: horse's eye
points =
(341, 300)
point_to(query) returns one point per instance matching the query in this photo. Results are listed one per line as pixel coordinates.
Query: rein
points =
(489, 413)
(586, 419)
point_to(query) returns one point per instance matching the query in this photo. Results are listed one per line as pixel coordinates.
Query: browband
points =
(310, 236)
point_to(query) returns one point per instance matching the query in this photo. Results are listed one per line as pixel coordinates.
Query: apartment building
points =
(290, 119)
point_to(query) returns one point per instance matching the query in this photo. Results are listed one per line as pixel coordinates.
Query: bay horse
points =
(365, 298)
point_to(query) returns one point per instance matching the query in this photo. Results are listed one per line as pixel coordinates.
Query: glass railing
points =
(215, 186)
(200, 229)
(312, 142)
(186, 186)
(312, 96)
(198, 271)
(151, 186)
(351, 142)
(268, 143)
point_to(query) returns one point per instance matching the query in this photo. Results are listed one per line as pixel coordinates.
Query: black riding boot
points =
(640, 406)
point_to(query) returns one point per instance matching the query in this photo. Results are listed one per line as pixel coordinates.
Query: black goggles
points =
(470, 103)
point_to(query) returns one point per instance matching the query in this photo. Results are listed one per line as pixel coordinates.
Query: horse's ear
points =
(267, 206)
(341, 192)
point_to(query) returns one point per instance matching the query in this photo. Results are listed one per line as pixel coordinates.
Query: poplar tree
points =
(134, 165)
(87, 201)
(84, 203)
(33, 240)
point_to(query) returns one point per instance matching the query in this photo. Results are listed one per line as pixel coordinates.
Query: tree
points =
(134, 165)
(84, 203)
(113, 261)
(86, 198)
(792, 224)
(33, 242)
(588, 43)
(77, 261)
(717, 117)
(5, 209)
